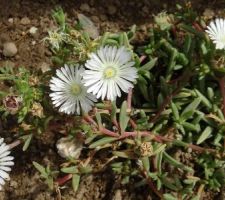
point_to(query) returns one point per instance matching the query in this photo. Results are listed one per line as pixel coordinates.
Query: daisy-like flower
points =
(5, 162)
(109, 71)
(68, 91)
(216, 31)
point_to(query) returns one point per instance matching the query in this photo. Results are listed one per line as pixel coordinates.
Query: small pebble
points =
(9, 49)
(103, 17)
(111, 9)
(33, 42)
(95, 19)
(85, 7)
(25, 21)
(33, 30)
(10, 20)
(44, 67)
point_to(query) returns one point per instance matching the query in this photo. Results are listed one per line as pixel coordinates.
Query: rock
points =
(25, 21)
(208, 13)
(85, 7)
(33, 30)
(44, 67)
(10, 20)
(95, 19)
(103, 17)
(9, 49)
(118, 195)
(111, 9)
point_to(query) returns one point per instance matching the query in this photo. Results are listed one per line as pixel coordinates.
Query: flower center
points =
(109, 72)
(75, 89)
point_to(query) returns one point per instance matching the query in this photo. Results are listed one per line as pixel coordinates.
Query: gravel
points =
(9, 49)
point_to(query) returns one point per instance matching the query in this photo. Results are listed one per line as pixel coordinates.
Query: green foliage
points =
(47, 174)
(173, 136)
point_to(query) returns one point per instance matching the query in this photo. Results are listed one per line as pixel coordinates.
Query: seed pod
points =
(146, 149)
(12, 103)
(68, 147)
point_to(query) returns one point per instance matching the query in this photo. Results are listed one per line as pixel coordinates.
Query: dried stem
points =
(181, 81)
(14, 144)
(142, 58)
(222, 90)
(108, 132)
(151, 185)
(89, 119)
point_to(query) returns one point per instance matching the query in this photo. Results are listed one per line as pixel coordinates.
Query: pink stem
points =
(142, 58)
(14, 144)
(108, 132)
(64, 179)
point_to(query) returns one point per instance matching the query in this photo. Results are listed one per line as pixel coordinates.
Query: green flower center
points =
(109, 72)
(76, 89)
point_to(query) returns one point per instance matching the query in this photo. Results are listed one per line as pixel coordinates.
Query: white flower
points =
(5, 162)
(109, 71)
(68, 91)
(216, 31)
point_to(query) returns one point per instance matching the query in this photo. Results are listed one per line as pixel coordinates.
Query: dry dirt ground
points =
(16, 18)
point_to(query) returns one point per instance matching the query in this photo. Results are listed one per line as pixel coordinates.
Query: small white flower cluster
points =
(5, 162)
(106, 73)
(216, 31)
(55, 38)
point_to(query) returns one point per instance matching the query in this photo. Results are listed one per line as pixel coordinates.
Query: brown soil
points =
(16, 18)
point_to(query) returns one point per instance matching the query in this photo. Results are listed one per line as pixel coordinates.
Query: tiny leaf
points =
(124, 118)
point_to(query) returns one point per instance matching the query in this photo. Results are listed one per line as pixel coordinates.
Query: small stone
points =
(208, 13)
(95, 19)
(85, 7)
(111, 9)
(33, 30)
(25, 21)
(10, 20)
(44, 67)
(17, 57)
(9, 49)
(33, 42)
(103, 17)
(23, 33)
(14, 184)
(118, 195)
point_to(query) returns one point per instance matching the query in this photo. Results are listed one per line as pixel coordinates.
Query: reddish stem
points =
(114, 121)
(133, 124)
(89, 119)
(142, 58)
(64, 179)
(151, 185)
(14, 144)
(182, 80)
(108, 132)
(134, 134)
(197, 26)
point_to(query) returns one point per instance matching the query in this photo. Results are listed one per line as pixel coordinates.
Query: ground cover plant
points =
(152, 114)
